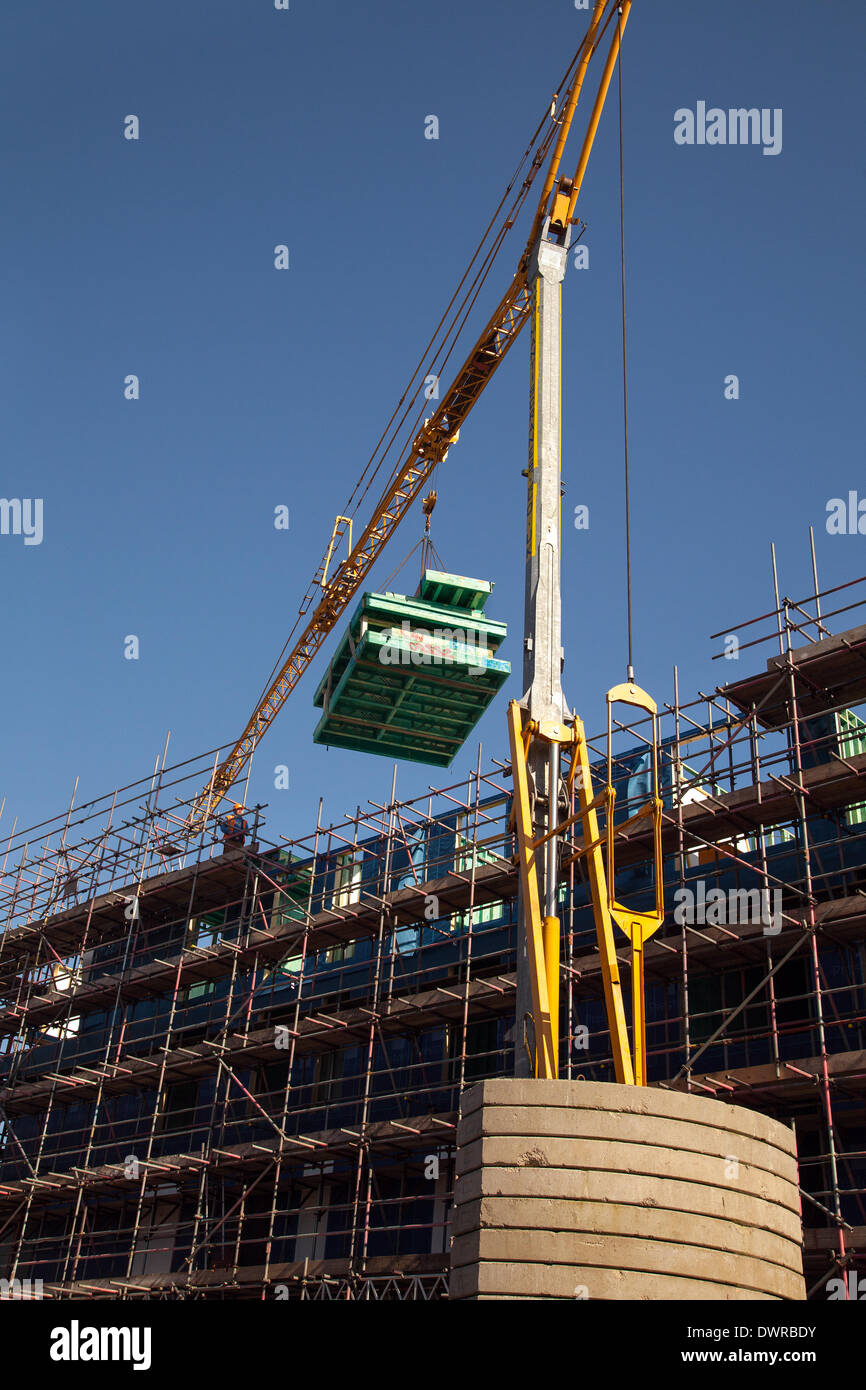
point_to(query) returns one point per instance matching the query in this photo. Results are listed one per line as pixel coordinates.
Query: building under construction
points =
(233, 1070)
(395, 1058)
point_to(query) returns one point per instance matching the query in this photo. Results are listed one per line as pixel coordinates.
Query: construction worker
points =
(234, 828)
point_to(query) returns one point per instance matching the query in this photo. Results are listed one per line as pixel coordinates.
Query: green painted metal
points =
(412, 676)
(454, 590)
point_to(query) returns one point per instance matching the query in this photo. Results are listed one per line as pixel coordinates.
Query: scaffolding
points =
(234, 1071)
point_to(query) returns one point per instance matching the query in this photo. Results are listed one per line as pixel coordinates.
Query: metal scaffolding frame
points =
(234, 1071)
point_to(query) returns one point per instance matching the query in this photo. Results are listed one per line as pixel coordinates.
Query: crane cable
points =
(624, 360)
(429, 553)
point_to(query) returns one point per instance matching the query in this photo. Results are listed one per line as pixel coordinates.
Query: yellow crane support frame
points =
(543, 933)
(543, 966)
(328, 598)
(637, 926)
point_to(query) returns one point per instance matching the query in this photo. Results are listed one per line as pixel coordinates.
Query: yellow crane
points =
(327, 597)
(538, 729)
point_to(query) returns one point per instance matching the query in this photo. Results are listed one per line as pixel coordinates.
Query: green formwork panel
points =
(415, 695)
(385, 612)
(454, 590)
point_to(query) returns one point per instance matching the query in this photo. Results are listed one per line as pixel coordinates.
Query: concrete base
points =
(576, 1189)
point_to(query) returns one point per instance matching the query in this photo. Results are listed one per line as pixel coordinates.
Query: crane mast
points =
(540, 726)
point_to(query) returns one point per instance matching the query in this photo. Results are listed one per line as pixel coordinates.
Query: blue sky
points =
(261, 388)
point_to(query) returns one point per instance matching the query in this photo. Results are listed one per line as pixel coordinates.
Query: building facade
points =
(235, 1071)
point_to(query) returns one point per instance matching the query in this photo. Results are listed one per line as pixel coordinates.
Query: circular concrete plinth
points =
(573, 1189)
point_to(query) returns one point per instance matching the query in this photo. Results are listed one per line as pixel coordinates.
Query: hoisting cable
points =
(428, 549)
(429, 553)
(406, 558)
(624, 360)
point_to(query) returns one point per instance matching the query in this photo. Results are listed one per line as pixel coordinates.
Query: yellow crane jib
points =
(434, 441)
(336, 536)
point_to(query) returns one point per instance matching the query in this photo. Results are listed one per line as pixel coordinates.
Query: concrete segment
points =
(610, 1218)
(510, 1151)
(604, 1185)
(496, 1190)
(641, 1100)
(557, 1122)
(626, 1254)
(489, 1280)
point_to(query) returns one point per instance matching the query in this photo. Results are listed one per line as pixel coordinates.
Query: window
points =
(482, 1044)
(206, 930)
(177, 1105)
(347, 878)
(64, 976)
(348, 873)
(290, 966)
(329, 1069)
(852, 740)
(335, 955)
(202, 990)
(203, 932)
(485, 913)
(466, 849)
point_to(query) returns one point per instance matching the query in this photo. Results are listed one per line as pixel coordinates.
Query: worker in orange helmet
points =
(234, 828)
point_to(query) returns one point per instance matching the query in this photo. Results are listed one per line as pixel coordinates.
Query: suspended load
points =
(412, 676)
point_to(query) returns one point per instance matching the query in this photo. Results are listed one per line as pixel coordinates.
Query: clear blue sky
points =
(259, 388)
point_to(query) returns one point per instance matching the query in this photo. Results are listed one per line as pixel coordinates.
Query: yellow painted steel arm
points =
(613, 998)
(543, 933)
(637, 926)
(546, 1044)
(544, 204)
(601, 97)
